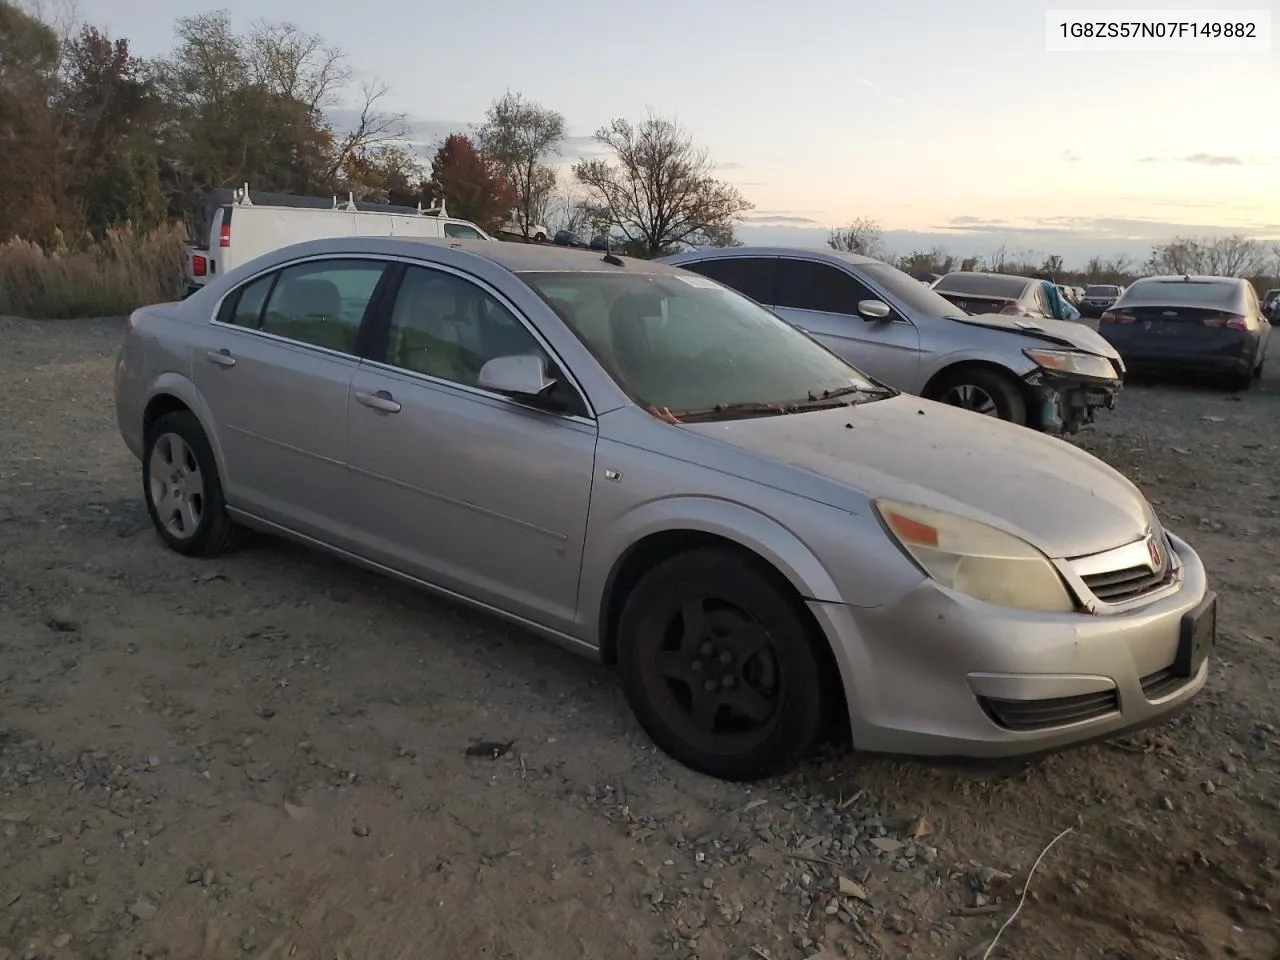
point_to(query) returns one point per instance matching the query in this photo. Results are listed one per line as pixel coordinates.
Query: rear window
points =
(983, 285)
(1175, 292)
(1102, 291)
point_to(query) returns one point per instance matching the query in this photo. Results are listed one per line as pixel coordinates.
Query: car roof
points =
(808, 253)
(515, 257)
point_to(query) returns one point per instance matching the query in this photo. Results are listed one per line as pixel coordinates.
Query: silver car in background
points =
(1048, 374)
(651, 469)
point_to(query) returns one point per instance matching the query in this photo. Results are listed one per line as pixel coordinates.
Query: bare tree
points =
(373, 129)
(297, 65)
(1235, 256)
(519, 135)
(570, 209)
(863, 237)
(659, 189)
(998, 262)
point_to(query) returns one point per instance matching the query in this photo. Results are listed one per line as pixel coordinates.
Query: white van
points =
(238, 228)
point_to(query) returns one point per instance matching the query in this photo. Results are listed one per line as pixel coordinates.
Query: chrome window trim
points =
(388, 259)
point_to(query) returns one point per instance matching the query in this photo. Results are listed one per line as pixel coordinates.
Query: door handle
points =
(222, 358)
(379, 401)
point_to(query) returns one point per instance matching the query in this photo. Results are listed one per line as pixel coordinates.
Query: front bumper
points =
(1067, 402)
(933, 674)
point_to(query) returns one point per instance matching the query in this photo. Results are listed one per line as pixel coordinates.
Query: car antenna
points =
(608, 257)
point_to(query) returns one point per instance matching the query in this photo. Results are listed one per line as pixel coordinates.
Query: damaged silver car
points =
(1050, 375)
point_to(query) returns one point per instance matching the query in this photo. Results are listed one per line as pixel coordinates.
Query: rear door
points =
(822, 300)
(274, 371)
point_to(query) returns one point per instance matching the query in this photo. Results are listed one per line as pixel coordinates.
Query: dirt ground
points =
(264, 756)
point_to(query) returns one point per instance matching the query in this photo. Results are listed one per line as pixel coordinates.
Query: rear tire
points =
(721, 667)
(982, 391)
(182, 489)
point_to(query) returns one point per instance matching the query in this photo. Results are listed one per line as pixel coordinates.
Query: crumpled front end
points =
(1065, 402)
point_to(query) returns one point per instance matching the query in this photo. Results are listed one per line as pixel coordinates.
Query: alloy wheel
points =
(176, 486)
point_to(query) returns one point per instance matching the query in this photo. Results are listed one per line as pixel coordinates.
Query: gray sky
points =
(949, 123)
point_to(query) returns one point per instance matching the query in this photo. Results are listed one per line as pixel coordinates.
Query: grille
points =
(1162, 683)
(1025, 715)
(1117, 586)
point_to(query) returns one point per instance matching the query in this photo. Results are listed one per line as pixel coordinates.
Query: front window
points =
(907, 290)
(1102, 291)
(687, 345)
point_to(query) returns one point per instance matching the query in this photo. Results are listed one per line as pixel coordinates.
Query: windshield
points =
(907, 290)
(685, 343)
(1103, 291)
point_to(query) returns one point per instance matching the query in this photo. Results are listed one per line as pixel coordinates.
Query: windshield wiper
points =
(819, 397)
(752, 409)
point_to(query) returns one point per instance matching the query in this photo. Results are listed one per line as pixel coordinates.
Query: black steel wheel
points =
(720, 665)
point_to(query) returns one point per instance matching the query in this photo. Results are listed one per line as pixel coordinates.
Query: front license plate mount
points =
(1197, 635)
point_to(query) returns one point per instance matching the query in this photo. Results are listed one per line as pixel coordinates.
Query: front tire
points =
(183, 491)
(987, 392)
(720, 666)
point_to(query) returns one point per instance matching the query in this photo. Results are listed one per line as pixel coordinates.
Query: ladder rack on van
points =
(240, 198)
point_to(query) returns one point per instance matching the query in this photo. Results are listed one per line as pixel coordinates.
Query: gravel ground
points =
(263, 756)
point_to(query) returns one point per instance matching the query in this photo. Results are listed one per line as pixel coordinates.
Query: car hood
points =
(1068, 333)
(1052, 494)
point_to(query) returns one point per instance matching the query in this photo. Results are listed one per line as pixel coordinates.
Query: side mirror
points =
(874, 310)
(516, 376)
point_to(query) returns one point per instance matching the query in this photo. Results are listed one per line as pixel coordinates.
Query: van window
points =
(461, 231)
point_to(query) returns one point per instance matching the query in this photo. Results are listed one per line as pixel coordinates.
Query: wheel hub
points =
(718, 667)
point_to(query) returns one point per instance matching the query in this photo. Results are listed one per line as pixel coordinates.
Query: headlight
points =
(1072, 361)
(975, 559)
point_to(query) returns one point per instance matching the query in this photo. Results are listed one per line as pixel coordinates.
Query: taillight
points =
(1226, 321)
(1117, 317)
(224, 238)
(199, 266)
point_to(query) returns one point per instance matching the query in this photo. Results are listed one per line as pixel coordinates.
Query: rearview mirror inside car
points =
(517, 376)
(873, 310)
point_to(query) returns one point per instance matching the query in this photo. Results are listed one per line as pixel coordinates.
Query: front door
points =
(459, 486)
(274, 370)
(822, 300)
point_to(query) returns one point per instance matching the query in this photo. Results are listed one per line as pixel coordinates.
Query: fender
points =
(180, 387)
(939, 364)
(607, 550)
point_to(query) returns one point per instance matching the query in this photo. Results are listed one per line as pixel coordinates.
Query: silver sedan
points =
(649, 468)
(1047, 374)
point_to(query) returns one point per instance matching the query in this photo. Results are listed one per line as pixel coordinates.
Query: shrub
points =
(113, 276)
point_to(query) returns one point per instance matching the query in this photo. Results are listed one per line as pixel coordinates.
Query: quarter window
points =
(808, 285)
(322, 303)
(244, 307)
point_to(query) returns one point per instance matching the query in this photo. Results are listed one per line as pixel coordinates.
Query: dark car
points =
(1099, 298)
(1271, 303)
(979, 293)
(567, 238)
(599, 242)
(1209, 325)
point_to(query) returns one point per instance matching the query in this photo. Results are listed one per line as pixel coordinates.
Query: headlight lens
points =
(975, 559)
(1073, 361)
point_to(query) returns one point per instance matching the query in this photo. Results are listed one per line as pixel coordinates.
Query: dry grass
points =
(96, 278)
